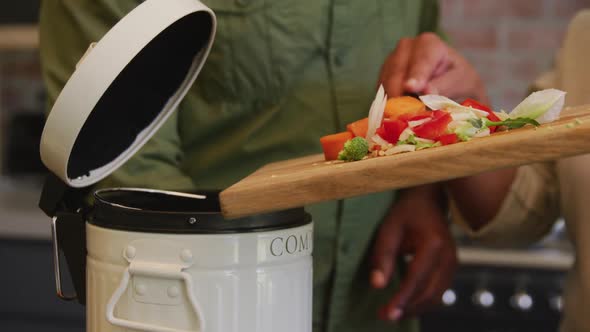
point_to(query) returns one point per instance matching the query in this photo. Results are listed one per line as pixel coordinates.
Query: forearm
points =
(480, 197)
(432, 193)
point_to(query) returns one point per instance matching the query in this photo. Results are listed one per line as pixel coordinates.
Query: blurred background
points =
(511, 42)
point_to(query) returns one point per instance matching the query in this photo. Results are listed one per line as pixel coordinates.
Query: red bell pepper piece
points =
(434, 128)
(477, 105)
(390, 130)
(448, 139)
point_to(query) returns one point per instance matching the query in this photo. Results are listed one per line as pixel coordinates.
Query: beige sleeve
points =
(527, 213)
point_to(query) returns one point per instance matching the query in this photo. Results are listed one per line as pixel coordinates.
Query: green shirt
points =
(281, 74)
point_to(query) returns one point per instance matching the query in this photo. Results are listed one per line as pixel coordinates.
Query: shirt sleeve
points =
(528, 212)
(67, 28)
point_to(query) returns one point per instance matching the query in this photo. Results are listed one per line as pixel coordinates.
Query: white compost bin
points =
(151, 260)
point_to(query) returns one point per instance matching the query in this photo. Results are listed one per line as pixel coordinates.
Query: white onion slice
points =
(416, 123)
(400, 148)
(379, 140)
(406, 134)
(483, 133)
(376, 112)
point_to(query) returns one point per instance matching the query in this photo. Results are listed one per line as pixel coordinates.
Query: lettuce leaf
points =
(543, 106)
(410, 140)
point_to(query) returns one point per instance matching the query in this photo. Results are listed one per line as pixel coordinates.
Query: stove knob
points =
(449, 297)
(483, 298)
(556, 303)
(522, 301)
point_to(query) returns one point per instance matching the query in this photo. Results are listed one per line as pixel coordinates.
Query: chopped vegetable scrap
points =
(354, 149)
(408, 124)
(333, 144)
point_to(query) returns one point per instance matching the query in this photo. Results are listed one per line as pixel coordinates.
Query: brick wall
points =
(510, 42)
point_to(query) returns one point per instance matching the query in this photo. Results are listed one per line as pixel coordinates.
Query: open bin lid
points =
(124, 89)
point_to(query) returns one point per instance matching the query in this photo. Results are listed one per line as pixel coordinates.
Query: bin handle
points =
(125, 323)
(57, 264)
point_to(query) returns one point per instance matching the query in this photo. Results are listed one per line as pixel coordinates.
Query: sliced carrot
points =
(404, 107)
(333, 144)
(359, 128)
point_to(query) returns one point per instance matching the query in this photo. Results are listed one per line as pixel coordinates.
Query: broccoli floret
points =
(354, 149)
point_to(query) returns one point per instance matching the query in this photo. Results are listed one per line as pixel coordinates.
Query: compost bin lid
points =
(125, 87)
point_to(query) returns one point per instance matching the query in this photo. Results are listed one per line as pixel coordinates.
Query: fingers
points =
(419, 270)
(414, 63)
(459, 81)
(456, 83)
(429, 297)
(441, 266)
(426, 64)
(448, 85)
(440, 281)
(385, 251)
(393, 73)
(441, 69)
(430, 56)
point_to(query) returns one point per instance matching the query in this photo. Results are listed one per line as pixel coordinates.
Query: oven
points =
(505, 290)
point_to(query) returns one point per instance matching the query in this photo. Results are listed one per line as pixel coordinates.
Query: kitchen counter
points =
(541, 258)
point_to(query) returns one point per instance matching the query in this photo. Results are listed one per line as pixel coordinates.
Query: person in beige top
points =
(519, 206)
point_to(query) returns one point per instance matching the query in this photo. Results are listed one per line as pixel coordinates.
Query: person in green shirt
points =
(280, 75)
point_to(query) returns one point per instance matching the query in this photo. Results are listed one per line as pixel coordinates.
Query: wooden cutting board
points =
(307, 180)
